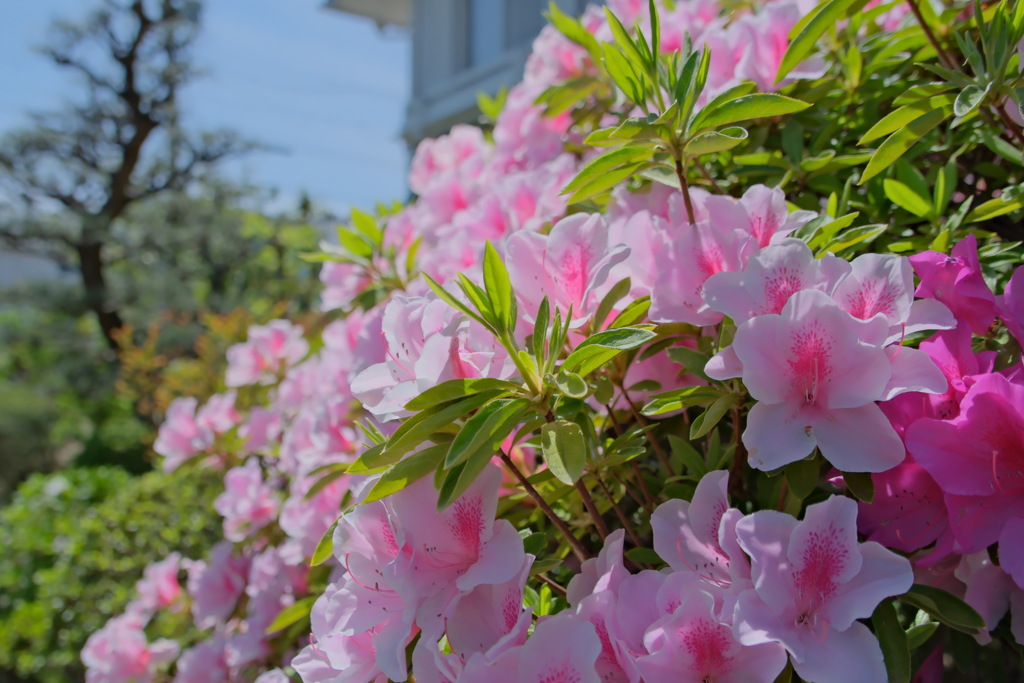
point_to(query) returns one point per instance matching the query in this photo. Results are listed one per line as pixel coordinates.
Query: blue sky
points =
(325, 90)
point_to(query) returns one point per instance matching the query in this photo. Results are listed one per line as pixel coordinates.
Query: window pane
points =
(486, 43)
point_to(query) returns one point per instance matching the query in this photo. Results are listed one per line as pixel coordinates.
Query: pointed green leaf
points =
(944, 607)
(826, 16)
(408, 471)
(458, 388)
(968, 100)
(499, 288)
(325, 547)
(802, 477)
(486, 429)
(893, 639)
(861, 485)
(902, 196)
(678, 399)
(715, 141)
(599, 348)
(899, 142)
(423, 424)
(707, 420)
(899, 118)
(292, 614)
(746, 108)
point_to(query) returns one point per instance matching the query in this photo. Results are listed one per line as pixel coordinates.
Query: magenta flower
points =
(812, 581)
(1011, 305)
(816, 372)
(977, 458)
(956, 281)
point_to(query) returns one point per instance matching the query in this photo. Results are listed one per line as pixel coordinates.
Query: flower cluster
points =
(555, 339)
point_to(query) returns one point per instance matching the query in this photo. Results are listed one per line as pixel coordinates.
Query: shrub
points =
(74, 544)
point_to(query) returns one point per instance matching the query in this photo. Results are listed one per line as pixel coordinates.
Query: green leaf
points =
(331, 473)
(918, 635)
(325, 546)
(571, 384)
(292, 614)
(610, 162)
(613, 296)
(861, 485)
(899, 118)
(624, 74)
(499, 289)
(564, 450)
(944, 607)
(479, 298)
(458, 388)
(370, 461)
(899, 142)
(692, 360)
(825, 17)
(853, 237)
(893, 639)
(535, 544)
(632, 313)
(367, 226)
(945, 185)
(423, 424)
(486, 429)
(642, 555)
(688, 455)
(968, 100)
(707, 420)
(715, 141)
(802, 476)
(678, 399)
(407, 471)
(746, 108)
(573, 30)
(901, 195)
(822, 229)
(443, 294)
(993, 208)
(599, 348)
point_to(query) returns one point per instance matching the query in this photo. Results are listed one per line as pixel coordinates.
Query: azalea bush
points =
(702, 363)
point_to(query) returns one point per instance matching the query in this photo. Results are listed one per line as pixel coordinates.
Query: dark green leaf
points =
(824, 17)
(601, 347)
(707, 420)
(423, 424)
(802, 477)
(919, 635)
(968, 100)
(944, 607)
(893, 639)
(861, 485)
(680, 398)
(715, 141)
(899, 118)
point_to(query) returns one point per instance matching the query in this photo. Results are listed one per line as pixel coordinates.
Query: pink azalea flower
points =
(816, 372)
(342, 283)
(216, 585)
(436, 156)
(812, 581)
(270, 349)
(159, 587)
(770, 278)
(884, 283)
(248, 503)
(120, 653)
(569, 266)
(219, 412)
(692, 646)
(181, 437)
(956, 281)
(563, 648)
(206, 662)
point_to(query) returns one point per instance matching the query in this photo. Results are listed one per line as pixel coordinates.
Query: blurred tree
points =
(73, 175)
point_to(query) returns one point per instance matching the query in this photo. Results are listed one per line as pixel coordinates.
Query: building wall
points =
(462, 47)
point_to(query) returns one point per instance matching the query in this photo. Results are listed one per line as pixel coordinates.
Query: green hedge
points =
(73, 545)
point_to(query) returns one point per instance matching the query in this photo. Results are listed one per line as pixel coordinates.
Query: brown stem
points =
(554, 586)
(685, 187)
(649, 500)
(574, 543)
(595, 515)
(714, 183)
(619, 513)
(948, 61)
(659, 451)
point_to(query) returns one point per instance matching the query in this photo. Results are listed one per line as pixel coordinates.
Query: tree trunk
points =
(91, 265)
